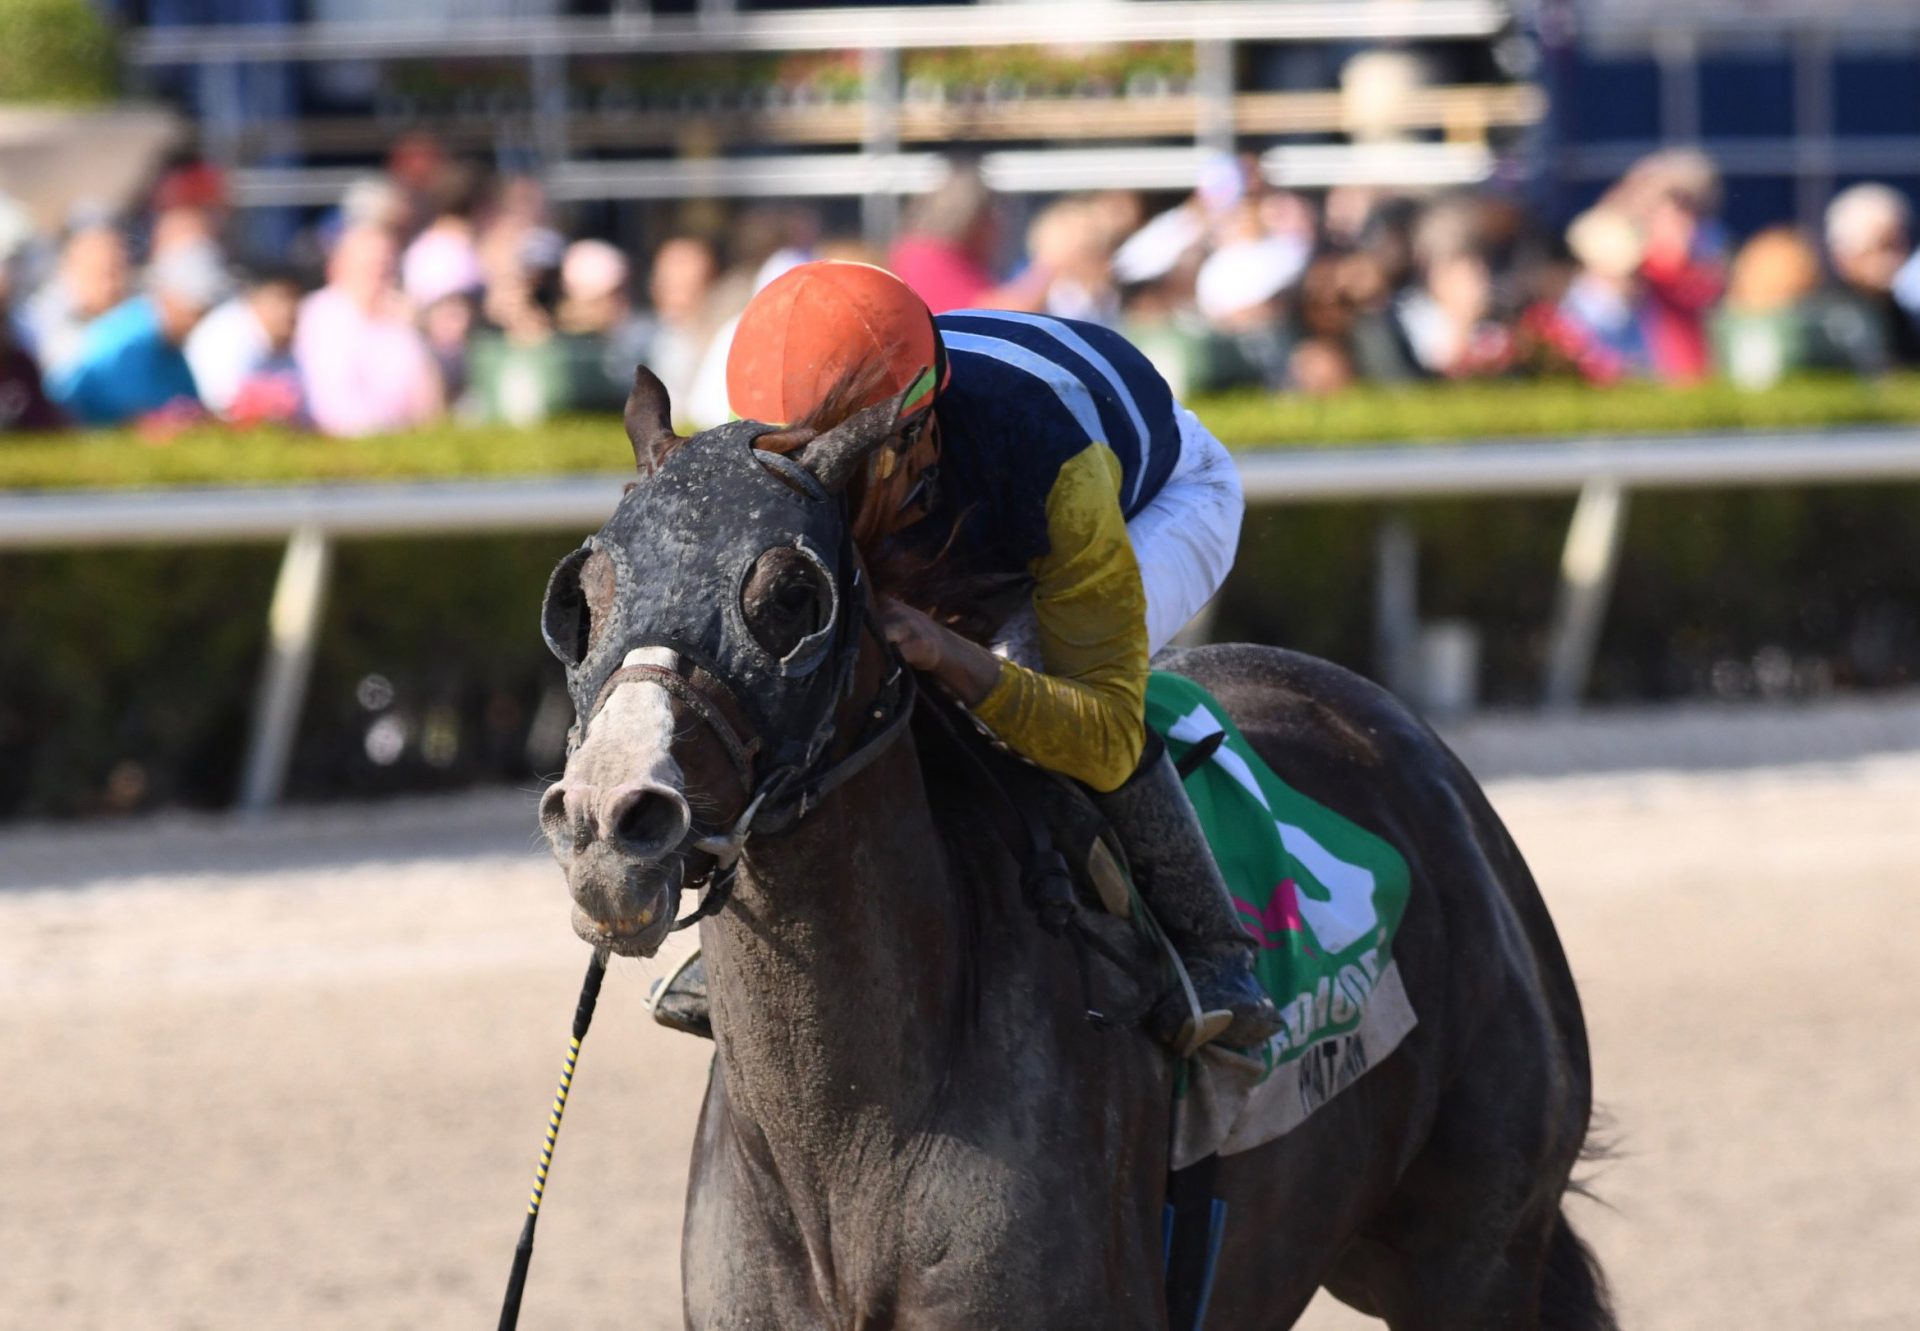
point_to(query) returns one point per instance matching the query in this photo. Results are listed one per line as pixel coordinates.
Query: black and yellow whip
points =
(523, 1251)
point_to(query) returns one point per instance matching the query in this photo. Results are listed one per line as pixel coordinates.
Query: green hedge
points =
(1717, 592)
(55, 52)
(126, 675)
(1410, 415)
(1555, 410)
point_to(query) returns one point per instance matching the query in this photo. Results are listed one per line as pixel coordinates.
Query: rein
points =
(523, 1250)
(891, 719)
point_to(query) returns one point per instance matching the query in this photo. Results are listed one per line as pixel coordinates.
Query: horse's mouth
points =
(634, 918)
(623, 905)
(636, 935)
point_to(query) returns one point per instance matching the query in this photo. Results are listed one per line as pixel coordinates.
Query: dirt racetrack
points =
(293, 1074)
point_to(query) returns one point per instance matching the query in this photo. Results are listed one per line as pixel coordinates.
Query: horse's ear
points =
(835, 456)
(649, 418)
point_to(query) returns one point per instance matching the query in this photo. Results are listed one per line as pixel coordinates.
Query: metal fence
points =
(254, 152)
(311, 518)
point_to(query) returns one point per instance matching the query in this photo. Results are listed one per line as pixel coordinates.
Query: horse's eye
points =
(787, 602)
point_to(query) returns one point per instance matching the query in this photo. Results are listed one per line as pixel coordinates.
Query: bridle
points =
(801, 773)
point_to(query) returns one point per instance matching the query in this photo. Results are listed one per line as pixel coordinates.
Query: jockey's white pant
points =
(1186, 537)
(1184, 541)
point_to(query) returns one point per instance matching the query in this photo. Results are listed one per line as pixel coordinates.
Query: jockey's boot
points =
(1174, 870)
(678, 1000)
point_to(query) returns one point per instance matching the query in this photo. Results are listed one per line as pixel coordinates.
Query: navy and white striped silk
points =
(1037, 390)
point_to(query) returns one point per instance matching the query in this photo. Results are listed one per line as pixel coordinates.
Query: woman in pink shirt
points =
(365, 367)
(941, 252)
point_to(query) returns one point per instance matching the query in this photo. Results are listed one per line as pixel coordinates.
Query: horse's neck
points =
(837, 972)
(905, 1069)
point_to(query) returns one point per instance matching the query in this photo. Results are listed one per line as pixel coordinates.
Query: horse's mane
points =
(972, 849)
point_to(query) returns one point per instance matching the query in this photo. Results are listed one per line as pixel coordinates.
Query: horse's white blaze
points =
(631, 740)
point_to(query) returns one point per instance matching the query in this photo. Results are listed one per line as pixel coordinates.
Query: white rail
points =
(309, 518)
(1698, 461)
(1271, 476)
(247, 513)
(870, 174)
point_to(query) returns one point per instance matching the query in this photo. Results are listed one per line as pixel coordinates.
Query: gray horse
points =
(910, 1121)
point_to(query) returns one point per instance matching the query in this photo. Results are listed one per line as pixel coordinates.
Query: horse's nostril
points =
(553, 805)
(648, 820)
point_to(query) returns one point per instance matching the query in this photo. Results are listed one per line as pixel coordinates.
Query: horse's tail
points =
(1573, 1288)
(1573, 1293)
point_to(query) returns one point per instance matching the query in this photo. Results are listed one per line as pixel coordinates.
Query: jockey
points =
(1049, 453)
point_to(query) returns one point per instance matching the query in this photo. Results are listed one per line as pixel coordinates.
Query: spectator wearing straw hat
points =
(1241, 291)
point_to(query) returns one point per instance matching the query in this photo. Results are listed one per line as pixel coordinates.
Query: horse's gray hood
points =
(681, 546)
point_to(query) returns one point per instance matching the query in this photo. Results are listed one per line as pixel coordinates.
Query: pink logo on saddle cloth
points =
(1270, 926)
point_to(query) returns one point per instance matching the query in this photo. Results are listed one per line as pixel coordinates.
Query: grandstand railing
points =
(903, 27)
(310, 518)
(1211, 118)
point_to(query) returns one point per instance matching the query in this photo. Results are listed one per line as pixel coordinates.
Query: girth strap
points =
(1195, 1223)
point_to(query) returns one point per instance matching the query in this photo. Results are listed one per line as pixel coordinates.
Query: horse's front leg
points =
(737, 1270)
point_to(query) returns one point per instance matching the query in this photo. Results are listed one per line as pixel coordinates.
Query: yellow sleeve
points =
(1086, 716)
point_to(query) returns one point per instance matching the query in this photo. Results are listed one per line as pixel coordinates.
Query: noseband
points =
(790, 789)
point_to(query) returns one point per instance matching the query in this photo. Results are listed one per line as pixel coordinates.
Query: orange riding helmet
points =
(853, 335)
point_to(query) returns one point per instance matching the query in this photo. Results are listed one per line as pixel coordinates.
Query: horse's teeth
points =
(646, 917)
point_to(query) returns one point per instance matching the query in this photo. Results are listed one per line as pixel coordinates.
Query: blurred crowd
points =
(1244, 284)
(435, 289)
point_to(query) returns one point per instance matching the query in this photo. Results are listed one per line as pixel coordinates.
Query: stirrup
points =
(1189, 1023)
(1180, 1021)
(1199, 1030)
(1230, 982)
(678, 999)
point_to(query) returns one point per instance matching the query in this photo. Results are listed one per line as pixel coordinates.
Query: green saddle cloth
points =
(1322, 897)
